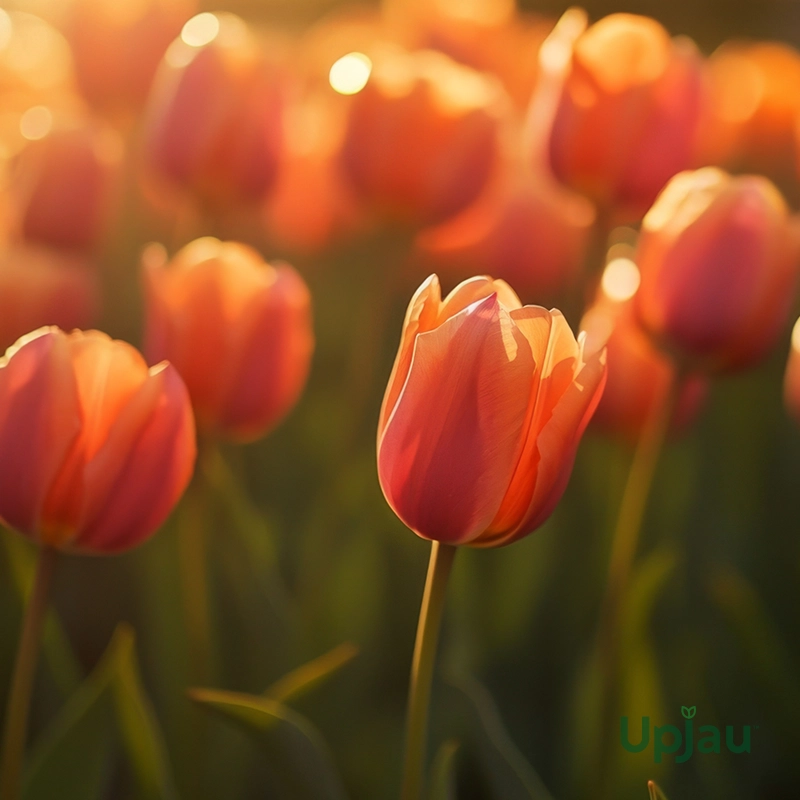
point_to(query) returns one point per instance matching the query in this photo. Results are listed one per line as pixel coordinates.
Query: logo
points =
(669, 739)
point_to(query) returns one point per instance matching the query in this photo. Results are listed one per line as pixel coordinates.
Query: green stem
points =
(194, 583)
(623, 553)
(430, 618)
(22, 680)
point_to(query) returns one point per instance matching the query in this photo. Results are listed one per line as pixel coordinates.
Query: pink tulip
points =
(483, 413)
(213, 119)
(718, 257)
(97, 448)
(237, 329)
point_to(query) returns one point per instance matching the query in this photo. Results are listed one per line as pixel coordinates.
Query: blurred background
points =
(303, 554)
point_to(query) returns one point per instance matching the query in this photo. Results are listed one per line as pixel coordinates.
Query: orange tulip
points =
(629, 112)
(213, 120)
(44, 287)
(483, 414)
(65, 186)
(238, 330)
(718, 257)
(118, 44)
(753, 107)
(639, 375)
(421, 138)
(97, 448)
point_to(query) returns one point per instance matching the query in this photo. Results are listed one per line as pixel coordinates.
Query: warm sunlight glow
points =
(796, 336)
(349, 75)
(620, 279)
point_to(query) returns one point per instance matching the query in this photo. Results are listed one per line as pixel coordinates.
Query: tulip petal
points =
(274, 355)
(452, 442)
(550, 453)
(155, 473)
(40, 418)
(422, 315)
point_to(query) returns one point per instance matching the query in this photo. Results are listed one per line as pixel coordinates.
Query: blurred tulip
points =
(791, 380)
(237, 329)
(44, 287)
(488, 35)
(718, 257)
(97, 448)
(628, 116)
(523, 229)
(639, 375)
(483, 414)
(422, 133)
(213, 120)
(65, 187)
(118, 44)
(753, 107)
(311, 205)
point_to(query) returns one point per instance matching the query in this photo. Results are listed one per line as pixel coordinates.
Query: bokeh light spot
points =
(621, 279)
(36, 123)
(349, 75)
(200, 30)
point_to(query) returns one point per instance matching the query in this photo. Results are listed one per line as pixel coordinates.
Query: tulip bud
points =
(237, 329)
(97, 448)
(718, 257)
(483, 414)
(118, 44)
(65, 187)
(629, 112)
(639, 375)
(44, 287)
(421, 139)
(213, 124)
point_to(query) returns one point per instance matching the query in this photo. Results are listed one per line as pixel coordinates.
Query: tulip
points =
(65, 186)
(753, 107)
(718, 257)
(639, 375)
(118, 44)
(97, 447)
(483, 414)
(421, 138)
(237, 329)
(212, 126)
(629, 112)
(44, 287)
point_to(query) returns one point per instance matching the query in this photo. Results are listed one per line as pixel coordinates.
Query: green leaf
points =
(508, 774)
(297, 752)
(443, 780)
(655, 791)
(307, 677)
(56, 649)
(74, 753)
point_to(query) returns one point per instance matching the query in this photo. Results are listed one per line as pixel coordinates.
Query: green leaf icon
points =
(688, 711)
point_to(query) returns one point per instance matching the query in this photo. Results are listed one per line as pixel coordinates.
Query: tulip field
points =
(400, 400)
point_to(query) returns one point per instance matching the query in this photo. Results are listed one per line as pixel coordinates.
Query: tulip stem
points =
(623, 553)
(19, 698)
(430, 619)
